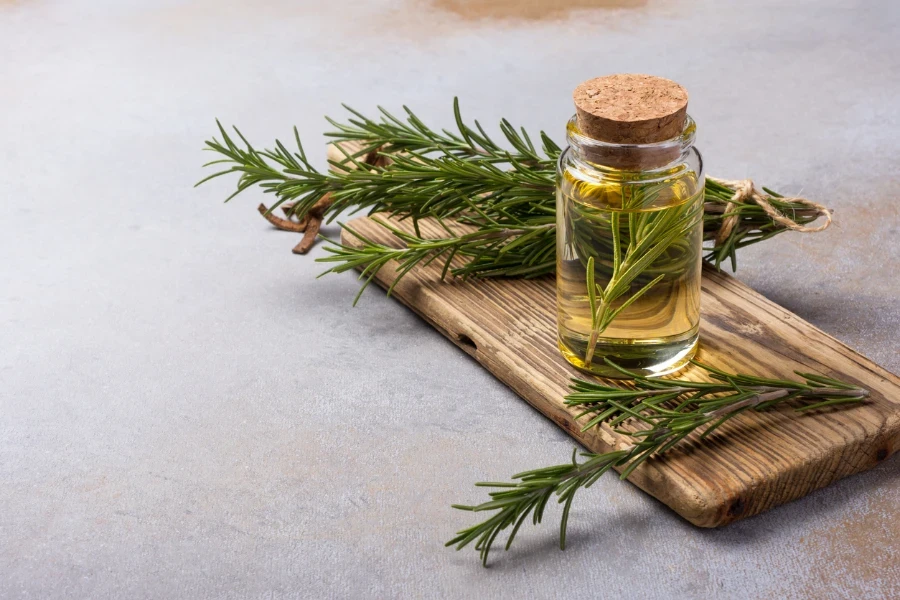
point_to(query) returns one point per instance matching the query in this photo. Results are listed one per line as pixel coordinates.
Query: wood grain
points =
(753, 463)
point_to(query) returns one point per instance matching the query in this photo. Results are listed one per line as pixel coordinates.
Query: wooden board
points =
(755, 462)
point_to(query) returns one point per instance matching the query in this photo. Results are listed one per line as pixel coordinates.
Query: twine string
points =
(744, 191)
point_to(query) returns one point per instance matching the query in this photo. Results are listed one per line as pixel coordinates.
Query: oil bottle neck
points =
(631, 157)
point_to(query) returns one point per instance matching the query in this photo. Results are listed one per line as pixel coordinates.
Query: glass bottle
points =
(629, 228)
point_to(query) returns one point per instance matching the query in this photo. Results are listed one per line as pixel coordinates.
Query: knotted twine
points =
(311, 222)
(744, 190)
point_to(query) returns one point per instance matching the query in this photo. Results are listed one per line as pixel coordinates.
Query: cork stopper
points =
(631, 109)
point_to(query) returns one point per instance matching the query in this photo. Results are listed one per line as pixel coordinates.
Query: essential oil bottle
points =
(630, 227)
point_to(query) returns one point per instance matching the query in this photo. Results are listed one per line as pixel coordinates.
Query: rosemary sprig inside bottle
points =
(495, 202)
(645, 246)
(665, 411)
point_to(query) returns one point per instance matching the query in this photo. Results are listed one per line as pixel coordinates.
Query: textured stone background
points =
(185, 412)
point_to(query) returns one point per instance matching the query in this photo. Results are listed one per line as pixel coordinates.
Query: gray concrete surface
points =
(185, 412)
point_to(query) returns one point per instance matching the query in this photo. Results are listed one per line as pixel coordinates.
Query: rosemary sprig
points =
(649, 235)
(462, 177)
(370, 256)
(663, 412)
(430, 174)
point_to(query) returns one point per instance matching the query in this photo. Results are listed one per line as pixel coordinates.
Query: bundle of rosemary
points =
(497, 206)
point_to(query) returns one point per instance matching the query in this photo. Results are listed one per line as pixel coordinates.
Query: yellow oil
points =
(655, 221)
